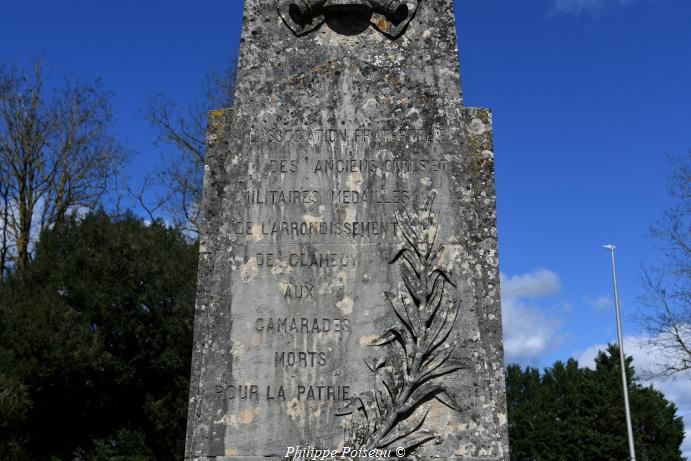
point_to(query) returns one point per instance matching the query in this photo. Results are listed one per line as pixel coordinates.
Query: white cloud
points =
(528, 331)
(601, 303)
(541, 283)
(586, 6)
(645, 360)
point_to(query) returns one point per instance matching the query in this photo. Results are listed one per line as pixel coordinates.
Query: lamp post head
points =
(609, 247)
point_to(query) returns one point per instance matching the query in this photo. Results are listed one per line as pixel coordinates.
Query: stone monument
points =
(348, 299)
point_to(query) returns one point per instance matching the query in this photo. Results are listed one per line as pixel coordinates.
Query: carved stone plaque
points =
(348, 300)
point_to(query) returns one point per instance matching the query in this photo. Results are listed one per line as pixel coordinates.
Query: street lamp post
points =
(629, 428)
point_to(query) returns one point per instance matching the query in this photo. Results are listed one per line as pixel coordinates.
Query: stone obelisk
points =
(348, 299)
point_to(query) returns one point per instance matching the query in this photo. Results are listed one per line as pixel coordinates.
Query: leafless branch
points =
(56, 151)
(667, 285)
(183, 130)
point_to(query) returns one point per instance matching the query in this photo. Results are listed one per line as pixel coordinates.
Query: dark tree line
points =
(95, 341)
(577, 414)
(96, 309)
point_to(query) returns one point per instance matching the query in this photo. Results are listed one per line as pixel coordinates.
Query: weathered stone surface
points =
(348, 282)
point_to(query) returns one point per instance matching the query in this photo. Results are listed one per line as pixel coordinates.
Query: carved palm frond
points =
(418, 347)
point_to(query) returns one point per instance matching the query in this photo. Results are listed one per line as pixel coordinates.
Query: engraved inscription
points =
(301, 325)
(300, 392)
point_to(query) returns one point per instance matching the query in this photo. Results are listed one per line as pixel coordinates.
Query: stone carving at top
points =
(347, 17)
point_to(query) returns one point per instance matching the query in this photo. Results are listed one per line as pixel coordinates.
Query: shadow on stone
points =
(348, 18)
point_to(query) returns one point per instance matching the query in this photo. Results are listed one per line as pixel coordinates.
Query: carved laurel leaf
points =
(409, 256)
(374, 366)
(436, 358)
(402, 315)
(413, 284)
(438, 373)
(424, 393)
(386, 388)
(427, 315)
(362, 405)
(416, 440)
(347, 409)
(412, 315)
(449, 400)
(404, 430)
(434, 256)
(369, 406)
(447, 324)
(409, 233)
(387, 336)
(434, 301)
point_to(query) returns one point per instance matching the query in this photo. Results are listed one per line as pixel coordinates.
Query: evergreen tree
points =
(571, 413)
(95, 341)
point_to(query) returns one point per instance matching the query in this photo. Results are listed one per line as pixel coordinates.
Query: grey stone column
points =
(348, 281)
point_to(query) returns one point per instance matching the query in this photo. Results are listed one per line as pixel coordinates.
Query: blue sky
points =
(587, 102)
(588, 98)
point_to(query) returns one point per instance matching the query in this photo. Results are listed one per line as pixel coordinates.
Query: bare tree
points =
(667, 285)
(184, 130)
(4, 225)
(56, 152)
